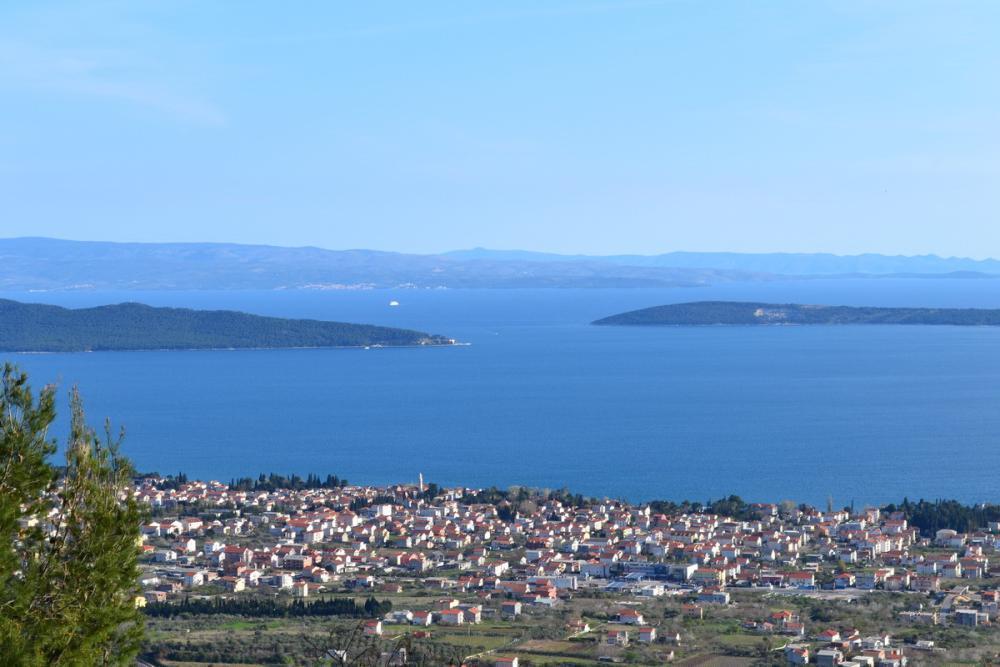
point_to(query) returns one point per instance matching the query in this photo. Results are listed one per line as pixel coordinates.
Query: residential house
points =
(714, 597)
(802, 579)
(617, 637)
(630, 617)
(451, 617)
(194, 578)
(510, 609)
(829, 658)
(797, 654)
(693, 610)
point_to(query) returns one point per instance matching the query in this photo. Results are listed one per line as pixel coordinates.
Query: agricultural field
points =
(544, 636)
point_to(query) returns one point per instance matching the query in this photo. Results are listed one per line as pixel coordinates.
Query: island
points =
(34, 327)
(705, 313)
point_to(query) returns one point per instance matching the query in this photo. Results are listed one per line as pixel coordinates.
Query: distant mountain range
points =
(51, 264)
(708, 313)
(34, 327)
(777, 263)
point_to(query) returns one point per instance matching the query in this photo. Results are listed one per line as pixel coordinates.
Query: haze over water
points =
(541, 398)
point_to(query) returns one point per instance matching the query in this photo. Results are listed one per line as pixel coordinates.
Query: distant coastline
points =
(47, 264)
(739, 313)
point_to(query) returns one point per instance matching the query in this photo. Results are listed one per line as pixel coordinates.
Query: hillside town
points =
(622, 582)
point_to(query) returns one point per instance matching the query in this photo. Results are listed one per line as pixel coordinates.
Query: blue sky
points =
(589, 126)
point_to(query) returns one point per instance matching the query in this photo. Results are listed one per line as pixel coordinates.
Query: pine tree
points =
(68, 552)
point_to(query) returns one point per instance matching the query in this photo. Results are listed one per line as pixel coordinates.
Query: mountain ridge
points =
(781, 263)
(38, 263)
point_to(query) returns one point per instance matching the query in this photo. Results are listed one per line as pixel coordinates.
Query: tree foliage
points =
(348, 646)
(274, 481)
(259, 607)
(519, 494)
(931, 516)
(68, 552)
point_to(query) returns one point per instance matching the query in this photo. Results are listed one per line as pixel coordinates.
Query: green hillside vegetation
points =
(132, 326)
(749, 313)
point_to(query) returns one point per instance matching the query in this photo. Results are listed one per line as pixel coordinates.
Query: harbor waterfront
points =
(869, 413)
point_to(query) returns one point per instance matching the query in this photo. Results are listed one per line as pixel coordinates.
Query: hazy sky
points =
(592, 126)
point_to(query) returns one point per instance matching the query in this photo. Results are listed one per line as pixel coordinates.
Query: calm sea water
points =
(539, 398)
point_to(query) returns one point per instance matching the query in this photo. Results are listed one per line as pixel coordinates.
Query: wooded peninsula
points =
(33, 327)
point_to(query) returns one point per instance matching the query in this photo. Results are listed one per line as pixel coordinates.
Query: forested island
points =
(32, 327)
(702, 313)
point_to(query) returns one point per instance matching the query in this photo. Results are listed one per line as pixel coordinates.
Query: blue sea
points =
(541, 398)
